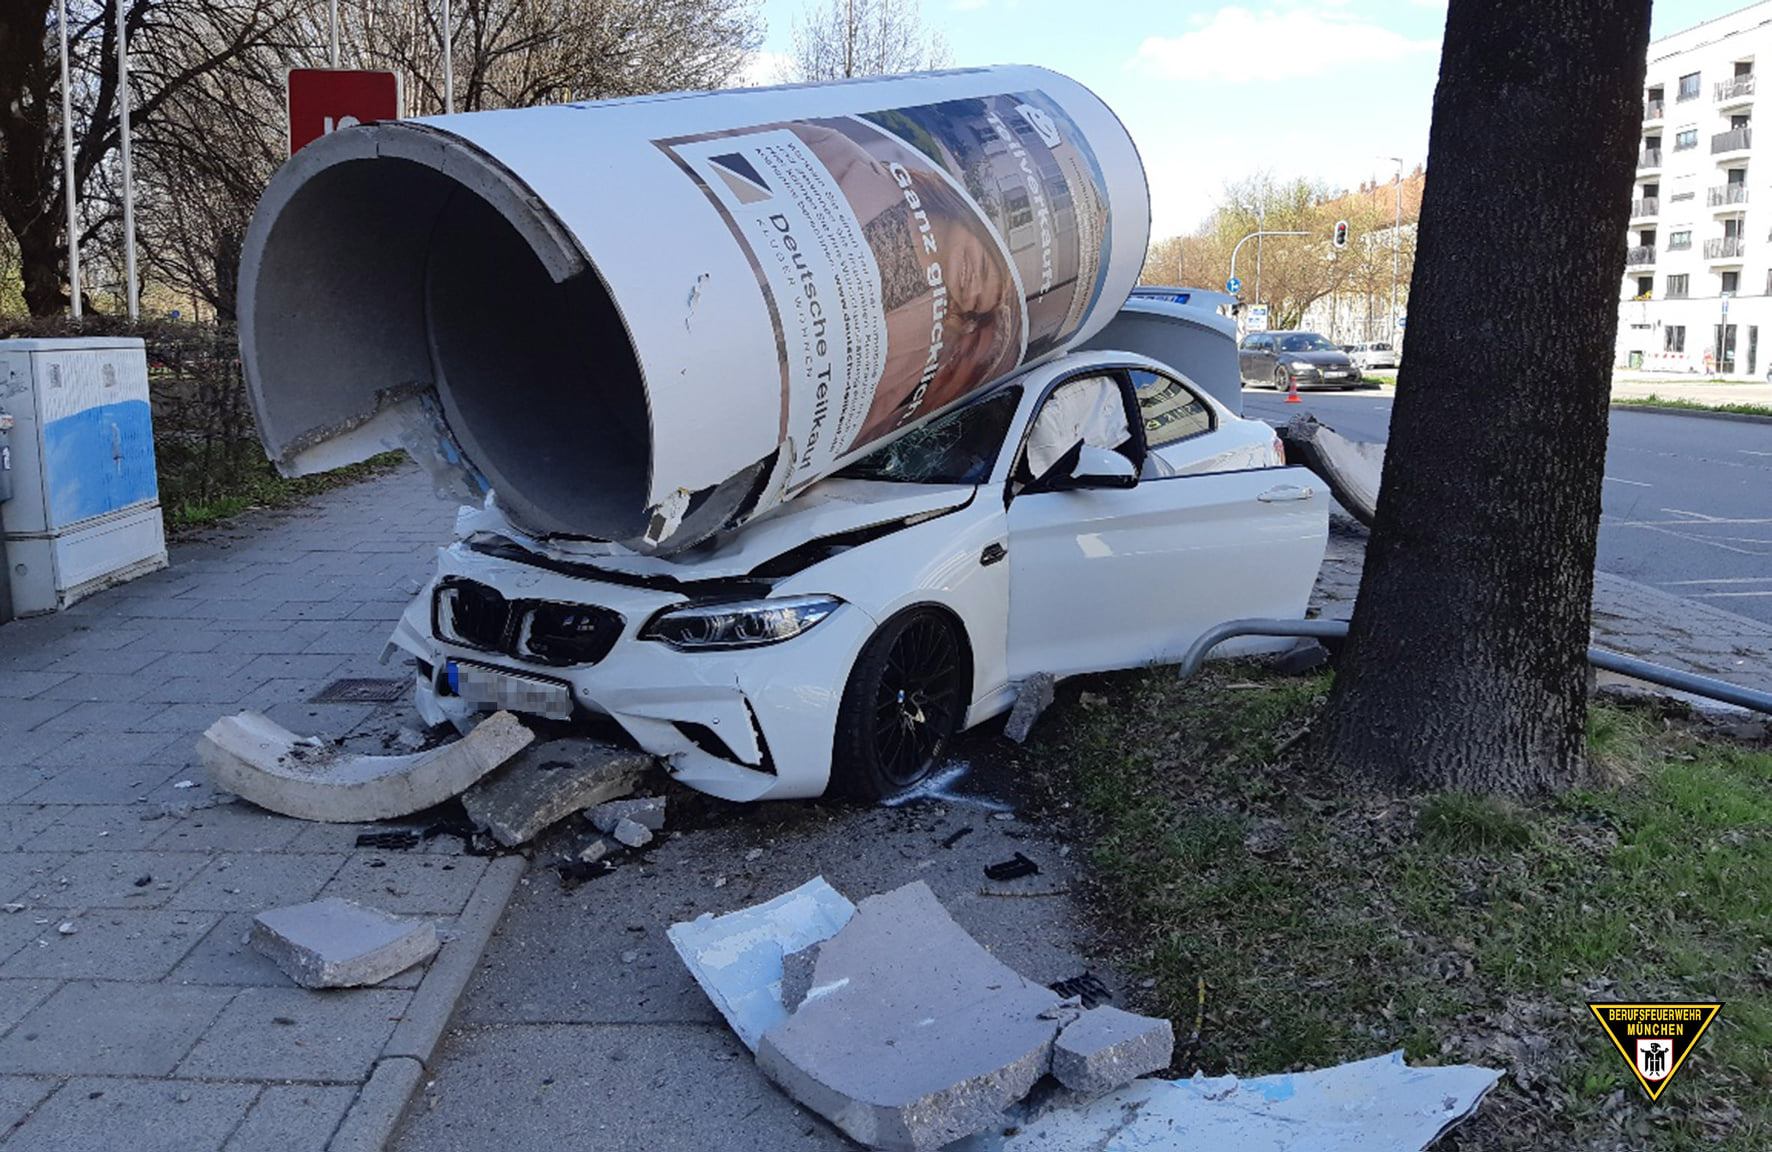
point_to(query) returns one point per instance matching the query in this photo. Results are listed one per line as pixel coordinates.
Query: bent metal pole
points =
(648, 320)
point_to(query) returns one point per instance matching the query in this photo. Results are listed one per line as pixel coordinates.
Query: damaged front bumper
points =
(746, 724)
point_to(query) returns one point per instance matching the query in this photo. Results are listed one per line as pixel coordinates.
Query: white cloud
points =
(968, 5)
(1239, 45)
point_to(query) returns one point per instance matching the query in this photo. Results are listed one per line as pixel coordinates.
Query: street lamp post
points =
(1245, 240)
(68, 167)
(1396, 246)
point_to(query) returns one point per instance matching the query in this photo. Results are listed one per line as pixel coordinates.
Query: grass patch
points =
(1331, 922)
(255, 486)
(1654, 401)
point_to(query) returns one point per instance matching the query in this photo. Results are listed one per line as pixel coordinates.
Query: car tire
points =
(904, 701)
(1282, 382)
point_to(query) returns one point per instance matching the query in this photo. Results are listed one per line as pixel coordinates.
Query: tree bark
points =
(1465, 664)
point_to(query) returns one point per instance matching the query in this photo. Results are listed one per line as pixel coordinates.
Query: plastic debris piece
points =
(1088, 988)
(1013, 868)
(957, 836)
(394, 841)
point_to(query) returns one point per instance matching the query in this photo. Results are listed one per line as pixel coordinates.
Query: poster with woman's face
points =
(908, 257)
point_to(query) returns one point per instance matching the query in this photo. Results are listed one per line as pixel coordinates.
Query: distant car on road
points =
(1301, 359)
(1373, 355)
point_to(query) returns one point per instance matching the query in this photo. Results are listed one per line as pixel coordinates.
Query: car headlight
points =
(749, 624)
(1302, 366)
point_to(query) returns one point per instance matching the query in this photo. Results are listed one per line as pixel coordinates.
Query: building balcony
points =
(1724, 248)
(1735, 90)
(1651, 158)
(1727, 196)
(1734, 140)
(1640, 255)
(1647, 206)
(1654, 110)
(1676, 244)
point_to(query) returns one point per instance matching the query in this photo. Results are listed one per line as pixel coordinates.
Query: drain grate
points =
(364, 690)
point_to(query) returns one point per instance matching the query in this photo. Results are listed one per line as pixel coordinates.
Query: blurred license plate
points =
(486, 687)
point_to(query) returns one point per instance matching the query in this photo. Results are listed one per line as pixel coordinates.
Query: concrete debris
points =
(911, 1035)
(1377, 1104)
(15, 906)
(599, 848)
(648, 811)
(1306, 656)
(1013, 868)
(631, 833)
(1032, 697)
(67, 928)
(1351, 468)
(737, 958)
(549, 782)
(1108, 1047)
(262, 762)
(334, 943)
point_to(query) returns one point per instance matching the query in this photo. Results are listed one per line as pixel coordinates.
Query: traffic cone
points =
(1292, 392)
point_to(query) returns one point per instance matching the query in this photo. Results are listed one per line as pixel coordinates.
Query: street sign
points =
(323, 100)
(1233, 285)
(1401, 319)
(1257, 318)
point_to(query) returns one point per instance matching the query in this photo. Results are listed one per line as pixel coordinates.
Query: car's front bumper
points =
(747, 724)
(1333, 378)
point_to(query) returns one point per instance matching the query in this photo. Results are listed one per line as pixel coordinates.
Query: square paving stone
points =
(110, 782)
(118, 879)
(294, 1034)
(240, 882)
(111, 1029)
(94, 827)
(225, 957)
(24, 871)
(100, 746)
(408, 885)
(18, 997)
(106, 944)
(20, 1094)
(233, 827)
(94, 1114)
(292, 1116)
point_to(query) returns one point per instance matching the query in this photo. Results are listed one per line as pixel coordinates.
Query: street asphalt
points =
(133, 1015)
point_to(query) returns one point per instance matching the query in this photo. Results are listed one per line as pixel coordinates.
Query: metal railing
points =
(1734, 87)
(1728, 194)
(1653, 109)
(1641, 254)
(1733, 140)
(1724, 248)
(1679, 241)
(1647, 206)
(1651, 158)
(1676, 293)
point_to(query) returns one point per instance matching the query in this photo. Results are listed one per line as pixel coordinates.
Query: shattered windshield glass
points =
(958, 448)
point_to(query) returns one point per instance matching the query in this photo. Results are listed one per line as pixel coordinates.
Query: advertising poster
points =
(907, 256)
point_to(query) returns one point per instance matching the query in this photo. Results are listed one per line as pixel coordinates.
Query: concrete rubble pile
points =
(891, 1022)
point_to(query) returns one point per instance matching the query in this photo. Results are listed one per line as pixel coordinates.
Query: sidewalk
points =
(133, 1013)
(1628, 385)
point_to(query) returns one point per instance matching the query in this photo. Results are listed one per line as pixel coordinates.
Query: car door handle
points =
(992, 553)
(1286, 492)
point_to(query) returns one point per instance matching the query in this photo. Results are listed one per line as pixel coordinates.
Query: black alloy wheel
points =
(904, 701)
(1282, 381)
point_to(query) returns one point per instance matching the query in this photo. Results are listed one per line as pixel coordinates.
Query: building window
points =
(1731, 282)
(1685, 139)
(1674, 338)
(1679, 240)
(1645, 287)
(1677, 286)
(1688, 87)
(1679, 196)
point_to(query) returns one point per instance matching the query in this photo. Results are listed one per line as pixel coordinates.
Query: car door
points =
(1250, 360)
(1103, 578)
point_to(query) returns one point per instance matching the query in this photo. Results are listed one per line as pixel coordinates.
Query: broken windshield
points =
(958, 448)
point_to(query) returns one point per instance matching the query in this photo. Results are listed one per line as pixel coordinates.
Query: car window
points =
(1170, 410)
(1088, 410)
(1305, 342)
(958, 448)
(1381, 347)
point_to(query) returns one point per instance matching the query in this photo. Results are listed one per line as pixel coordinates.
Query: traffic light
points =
(1341, 233)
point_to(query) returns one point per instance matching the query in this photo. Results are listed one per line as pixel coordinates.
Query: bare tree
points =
(1465, 666)
(847, 38)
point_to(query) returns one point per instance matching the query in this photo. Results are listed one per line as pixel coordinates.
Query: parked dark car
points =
(1304, 359)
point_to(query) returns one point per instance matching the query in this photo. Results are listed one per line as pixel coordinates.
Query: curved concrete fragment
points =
(261, 761)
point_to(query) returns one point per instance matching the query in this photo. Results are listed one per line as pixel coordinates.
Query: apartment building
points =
(1697, 293)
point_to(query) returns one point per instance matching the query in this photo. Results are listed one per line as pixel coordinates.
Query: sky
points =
(1213, 93)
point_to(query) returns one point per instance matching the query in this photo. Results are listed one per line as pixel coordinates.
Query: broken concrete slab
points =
(549, 782)
(632, 834)
(1108, 1047)
(1032, 697)
(1376, 1104)
(1353, 469)
(263, 762)
(335, 943)
(737, 958)
(911, 1035)
(647, 811)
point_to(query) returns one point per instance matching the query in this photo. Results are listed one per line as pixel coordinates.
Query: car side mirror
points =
(1102, 468)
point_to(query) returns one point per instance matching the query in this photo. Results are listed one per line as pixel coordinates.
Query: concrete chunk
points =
(911, 1035)
(646, 811)
(1107, 1047)
(549, 782)
(261, 761)
(1032, 697)
(335, 943)
(632, 834)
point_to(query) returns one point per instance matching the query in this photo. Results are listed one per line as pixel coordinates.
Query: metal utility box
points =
(85, 506)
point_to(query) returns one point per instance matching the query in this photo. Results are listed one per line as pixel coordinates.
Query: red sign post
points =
(323, 100)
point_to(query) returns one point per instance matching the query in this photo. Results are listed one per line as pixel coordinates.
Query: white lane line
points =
(1648, 527)
(1632, 483)
(1722, 580)
(1713, 522)
(1729, 595)
(1751, 452)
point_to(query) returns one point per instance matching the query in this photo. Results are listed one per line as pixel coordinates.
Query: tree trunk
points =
(1465, 664)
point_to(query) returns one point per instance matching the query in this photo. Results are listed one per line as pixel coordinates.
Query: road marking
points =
(1652, 526)
(1632, 483)
(1729, 595)
(1751, 452)
(1724, 580)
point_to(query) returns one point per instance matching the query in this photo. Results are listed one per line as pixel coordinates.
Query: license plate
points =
(486, 687)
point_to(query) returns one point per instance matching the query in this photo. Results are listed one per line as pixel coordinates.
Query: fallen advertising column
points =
(649, 320)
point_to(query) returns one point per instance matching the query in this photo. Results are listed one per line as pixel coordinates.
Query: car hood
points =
(1320, 359)
(834, 513)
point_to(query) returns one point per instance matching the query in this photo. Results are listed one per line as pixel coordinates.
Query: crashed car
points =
(1096, 512)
